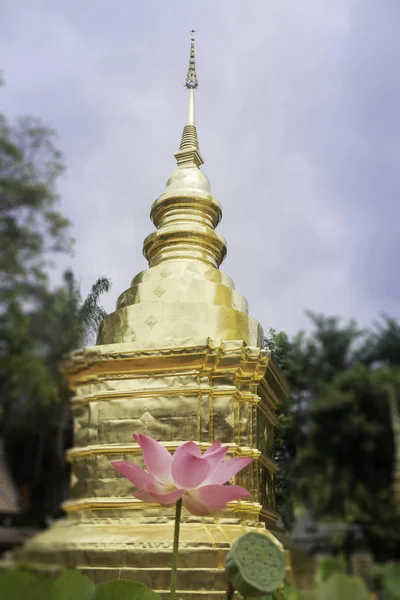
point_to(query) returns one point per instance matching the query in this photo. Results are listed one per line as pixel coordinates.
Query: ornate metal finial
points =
(191, 79)
(188, 153)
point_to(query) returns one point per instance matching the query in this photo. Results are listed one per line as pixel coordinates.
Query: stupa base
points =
(110, 549)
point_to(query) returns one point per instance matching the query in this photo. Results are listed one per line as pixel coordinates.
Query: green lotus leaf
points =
(342, 587)
(70, 584)
(123, 590)
(391, 581)
(21, 584)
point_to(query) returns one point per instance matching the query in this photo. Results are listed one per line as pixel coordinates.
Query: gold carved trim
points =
(140, 368)
(214, 357)
(268, 463)
(267, 393)
(135, 450)
(269, 515)
(267, 412)
(70, 506)
(273, 378)
(237, 395)
(106, 503)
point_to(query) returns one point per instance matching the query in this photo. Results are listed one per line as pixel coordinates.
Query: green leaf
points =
(391, 581)
(331, 565)
(342, 587)
(282, 593)
(123, 590)
(19, 584)
(290, 593)
(71, 584)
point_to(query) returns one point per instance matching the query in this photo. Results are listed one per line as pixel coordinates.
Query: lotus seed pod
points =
(255, 565)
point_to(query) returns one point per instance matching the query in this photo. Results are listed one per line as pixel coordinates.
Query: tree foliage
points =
(31, 229)
(38, 324)
(335, 440)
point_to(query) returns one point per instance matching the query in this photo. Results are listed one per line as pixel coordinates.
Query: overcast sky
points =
(298, 115)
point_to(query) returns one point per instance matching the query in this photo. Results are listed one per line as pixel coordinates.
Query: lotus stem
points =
(178, 511)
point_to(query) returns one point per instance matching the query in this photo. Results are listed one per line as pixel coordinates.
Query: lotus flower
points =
(195, 477)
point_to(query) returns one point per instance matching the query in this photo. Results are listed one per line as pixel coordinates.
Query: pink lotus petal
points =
(215, 497)
(215, 458)
(194, 506)
(227, 469)
(156, 458)
(135, 474)
(168, 499)
(144, 496)
(215, 446)
(189, 468)
(191, 447)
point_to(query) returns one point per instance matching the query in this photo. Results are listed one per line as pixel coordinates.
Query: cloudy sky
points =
(298, 116)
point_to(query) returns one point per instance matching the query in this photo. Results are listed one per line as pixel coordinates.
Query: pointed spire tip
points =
(188, 154)
(191, 78)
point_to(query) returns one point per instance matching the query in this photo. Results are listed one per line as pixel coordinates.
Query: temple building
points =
(180, 359)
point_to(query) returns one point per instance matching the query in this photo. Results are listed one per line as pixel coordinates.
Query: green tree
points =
(60, 323)
(31, 231)
(64, 323)
(38, 325)
(308, 362)
(336, 428)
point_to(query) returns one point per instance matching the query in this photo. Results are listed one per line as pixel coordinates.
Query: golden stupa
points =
(179, 359)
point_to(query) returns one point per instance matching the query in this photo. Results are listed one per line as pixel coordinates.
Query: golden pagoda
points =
(179, 359)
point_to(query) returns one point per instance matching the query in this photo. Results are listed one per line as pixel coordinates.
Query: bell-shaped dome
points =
(188, 178)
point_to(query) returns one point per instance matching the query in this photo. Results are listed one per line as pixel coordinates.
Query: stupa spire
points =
(191, 79)
(188, 153)
(186, 214)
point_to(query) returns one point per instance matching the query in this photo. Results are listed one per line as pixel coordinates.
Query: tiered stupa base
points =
(106, 549)
(210, 391)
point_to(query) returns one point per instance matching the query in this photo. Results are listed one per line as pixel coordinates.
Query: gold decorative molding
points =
(250, 508)
(215, 357)
(243, 397)
(134, 450)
